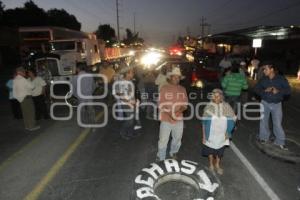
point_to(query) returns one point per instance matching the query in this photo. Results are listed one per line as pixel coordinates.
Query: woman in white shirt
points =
(217, 124)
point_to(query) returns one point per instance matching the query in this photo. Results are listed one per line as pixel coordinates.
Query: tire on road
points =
(150, 178)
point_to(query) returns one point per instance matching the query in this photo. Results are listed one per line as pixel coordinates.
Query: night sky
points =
(161, 21)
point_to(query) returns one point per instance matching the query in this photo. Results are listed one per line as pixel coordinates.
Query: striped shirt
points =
(234, 83)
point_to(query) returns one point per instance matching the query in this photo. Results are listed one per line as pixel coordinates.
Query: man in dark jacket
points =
(272, 89)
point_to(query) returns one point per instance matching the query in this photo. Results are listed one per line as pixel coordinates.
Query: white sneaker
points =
(283, 147)
(136, 127)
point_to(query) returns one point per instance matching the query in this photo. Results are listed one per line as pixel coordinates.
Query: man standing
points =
(233, 84)
(22, 91)
(225, 63)
(254, 68)
(272, 89)
(172, 102)
(85, 85)
(124, 92)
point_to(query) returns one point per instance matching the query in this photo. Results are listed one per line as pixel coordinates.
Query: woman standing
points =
(217, 125)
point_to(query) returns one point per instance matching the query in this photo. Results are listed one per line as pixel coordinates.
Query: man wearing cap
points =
(172, 103)
(22, 91)
(272, 89)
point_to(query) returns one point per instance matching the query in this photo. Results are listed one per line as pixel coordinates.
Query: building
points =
(279, 43)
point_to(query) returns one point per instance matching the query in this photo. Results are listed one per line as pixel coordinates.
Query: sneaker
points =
(137, 127)
(283, 147)
(34, 128)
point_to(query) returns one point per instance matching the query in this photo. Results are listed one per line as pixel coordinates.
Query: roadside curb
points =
(275, 152)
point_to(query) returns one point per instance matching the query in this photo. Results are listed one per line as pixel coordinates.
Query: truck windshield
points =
(60, 46)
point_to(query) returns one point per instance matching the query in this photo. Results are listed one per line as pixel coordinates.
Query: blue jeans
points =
(164, 133)
(275, 109)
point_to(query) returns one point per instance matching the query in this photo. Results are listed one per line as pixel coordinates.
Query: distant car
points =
(206, 59)
(177, 51)
(196, 75)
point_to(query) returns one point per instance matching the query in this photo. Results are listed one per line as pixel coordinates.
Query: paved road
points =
(63, 161)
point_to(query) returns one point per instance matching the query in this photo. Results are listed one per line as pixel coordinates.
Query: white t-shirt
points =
(217, 135)
(21, 88)
(38, 84)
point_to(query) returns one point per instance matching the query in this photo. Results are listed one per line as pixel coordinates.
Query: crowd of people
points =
(26, 94)
(220, 118)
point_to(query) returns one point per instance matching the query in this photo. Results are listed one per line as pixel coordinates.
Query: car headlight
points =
(199, 84)
(151, 58)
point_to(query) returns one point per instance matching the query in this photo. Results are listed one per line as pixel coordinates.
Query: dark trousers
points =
(40, 107)
(16, 108)
(127, 126)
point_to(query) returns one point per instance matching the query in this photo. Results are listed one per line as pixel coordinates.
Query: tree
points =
(2, 6)
(1, 12)
(132, 38)
(106, 33)
(62, 18)
(29, 15)
(32, 15)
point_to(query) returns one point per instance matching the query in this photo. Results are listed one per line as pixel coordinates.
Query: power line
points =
(107, 8)
(262, 17)
(84, 11)
(276, 11)
(212, 11)
(239, 11)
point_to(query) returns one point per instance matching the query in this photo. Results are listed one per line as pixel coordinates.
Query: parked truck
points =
(56, 51)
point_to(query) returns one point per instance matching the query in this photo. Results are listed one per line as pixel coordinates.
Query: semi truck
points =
(55, 52)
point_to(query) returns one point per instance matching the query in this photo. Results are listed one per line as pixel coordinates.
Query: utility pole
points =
(134, 15)
(203, 25)
(118, 17)
(188, 31)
